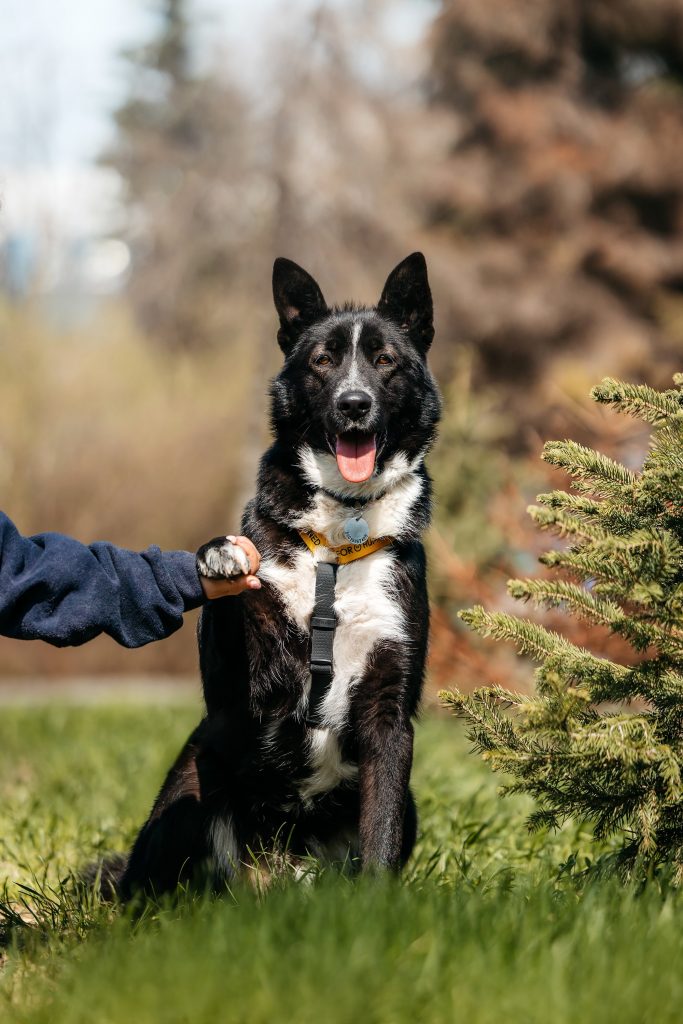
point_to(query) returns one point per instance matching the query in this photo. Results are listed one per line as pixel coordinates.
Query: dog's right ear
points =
(298, 301)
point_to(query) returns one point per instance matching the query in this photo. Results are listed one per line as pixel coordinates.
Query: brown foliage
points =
(564, 199)
(104, 437)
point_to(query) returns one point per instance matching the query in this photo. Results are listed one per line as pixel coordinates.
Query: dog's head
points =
(355, 397)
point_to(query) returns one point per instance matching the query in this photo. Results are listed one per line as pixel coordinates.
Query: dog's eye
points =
(322, 360)
(384, 360)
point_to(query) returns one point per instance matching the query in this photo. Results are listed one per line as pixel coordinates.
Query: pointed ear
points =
(407, 300)
(298, 301)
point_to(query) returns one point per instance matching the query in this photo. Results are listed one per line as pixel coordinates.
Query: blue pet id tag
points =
(356, 530)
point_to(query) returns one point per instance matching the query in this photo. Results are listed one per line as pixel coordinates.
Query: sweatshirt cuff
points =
(182, 568)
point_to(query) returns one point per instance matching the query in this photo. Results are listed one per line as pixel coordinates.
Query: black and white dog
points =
(354, 411)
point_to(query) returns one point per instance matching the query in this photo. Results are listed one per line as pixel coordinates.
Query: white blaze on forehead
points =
(352, 381)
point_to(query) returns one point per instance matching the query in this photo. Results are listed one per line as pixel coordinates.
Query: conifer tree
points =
(179, 153)
(598, 740)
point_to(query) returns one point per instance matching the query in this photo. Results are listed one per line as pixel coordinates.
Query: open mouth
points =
(355, 453)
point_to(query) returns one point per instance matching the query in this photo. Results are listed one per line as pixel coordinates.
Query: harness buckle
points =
(323, 622)
(321, 668)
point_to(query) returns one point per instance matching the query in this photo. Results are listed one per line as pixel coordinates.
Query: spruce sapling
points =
(598, 740)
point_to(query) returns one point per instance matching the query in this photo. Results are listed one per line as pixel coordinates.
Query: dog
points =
(354, 411)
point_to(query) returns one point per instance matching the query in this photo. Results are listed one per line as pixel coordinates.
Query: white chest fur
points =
(367, 609)
(367, 613)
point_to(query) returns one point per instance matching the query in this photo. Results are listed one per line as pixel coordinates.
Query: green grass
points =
(486, 925)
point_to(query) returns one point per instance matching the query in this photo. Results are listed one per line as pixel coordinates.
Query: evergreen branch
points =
(564, 524)
(643, 566)
(594, 472)
(614, 517)
(659, 683)
(666, 457)
(621, 770)
(490, 730)
(577, 504)
(597, 609)
(638, 400)
(551, 593)
(574, 663)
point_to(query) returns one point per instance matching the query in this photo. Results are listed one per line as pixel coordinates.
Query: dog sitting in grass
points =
(312, 682)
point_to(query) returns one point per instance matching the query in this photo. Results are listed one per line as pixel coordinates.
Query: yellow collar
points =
(344, 552)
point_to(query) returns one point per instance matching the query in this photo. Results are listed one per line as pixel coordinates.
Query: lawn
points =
(487, 924)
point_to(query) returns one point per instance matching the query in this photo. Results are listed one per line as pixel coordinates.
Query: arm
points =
(56, 589)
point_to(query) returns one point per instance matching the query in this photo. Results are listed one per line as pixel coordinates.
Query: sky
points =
(61, 76)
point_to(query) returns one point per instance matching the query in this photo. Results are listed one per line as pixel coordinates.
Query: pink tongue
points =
(356, 458)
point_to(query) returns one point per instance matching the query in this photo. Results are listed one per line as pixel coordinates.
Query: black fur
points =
(244, 764)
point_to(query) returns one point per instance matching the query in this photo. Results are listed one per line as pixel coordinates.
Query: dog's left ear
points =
(298, 301)
(407, 300)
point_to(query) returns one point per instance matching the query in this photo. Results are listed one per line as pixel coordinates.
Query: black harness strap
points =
(323, 625)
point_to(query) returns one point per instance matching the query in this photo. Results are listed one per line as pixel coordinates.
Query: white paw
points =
(221, 559)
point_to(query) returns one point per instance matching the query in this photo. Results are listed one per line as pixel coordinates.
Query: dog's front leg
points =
(385, 760)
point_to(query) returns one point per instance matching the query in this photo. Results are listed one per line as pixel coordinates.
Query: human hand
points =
(227, 566)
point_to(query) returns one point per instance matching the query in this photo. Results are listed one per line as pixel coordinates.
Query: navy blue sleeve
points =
(56, 589)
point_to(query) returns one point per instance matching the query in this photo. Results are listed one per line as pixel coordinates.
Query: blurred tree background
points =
(533, 151)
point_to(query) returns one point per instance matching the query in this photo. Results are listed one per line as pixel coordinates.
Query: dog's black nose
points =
(354, 404)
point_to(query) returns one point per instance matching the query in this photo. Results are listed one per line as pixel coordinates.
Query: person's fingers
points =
(238, 586)
(241, 558)
(250, 551)
(215, 588)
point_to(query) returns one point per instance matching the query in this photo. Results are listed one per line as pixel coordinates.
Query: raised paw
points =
(223, 559)
(227, 566)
